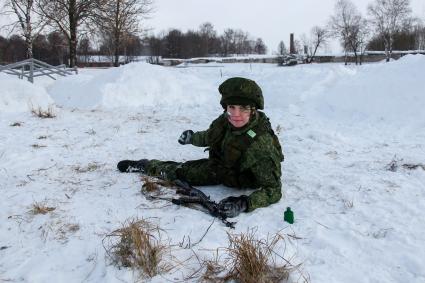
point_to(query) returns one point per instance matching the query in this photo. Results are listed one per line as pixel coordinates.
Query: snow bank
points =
(387, 92)
(20, 95)
(383, 92)
(132, 85)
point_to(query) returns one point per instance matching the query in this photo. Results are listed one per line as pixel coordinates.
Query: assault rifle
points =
(193, 196)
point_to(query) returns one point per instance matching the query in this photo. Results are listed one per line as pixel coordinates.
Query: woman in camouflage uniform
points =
(244, 152)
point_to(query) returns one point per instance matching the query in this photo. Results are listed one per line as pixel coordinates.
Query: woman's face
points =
(238, 115)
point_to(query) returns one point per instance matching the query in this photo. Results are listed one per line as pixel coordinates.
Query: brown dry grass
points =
(39, 112)
(40, 208)
(58, 229)
(214, 271)
(138, 245)
(151, 184)
(251, 260)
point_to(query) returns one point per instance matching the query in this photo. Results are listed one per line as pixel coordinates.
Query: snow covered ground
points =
(341, 128)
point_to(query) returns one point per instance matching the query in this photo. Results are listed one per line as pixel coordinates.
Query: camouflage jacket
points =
(249, 157)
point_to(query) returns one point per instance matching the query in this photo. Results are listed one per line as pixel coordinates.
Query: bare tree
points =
(12, 49)
(318, 37)
(344, 23)
(260, 47)
(236, 42)
(29, 24)
(228, 44)
(3, 45)
(120, 19)
(133, 47)
(208, 37)
(388, 17)
(419, 36)
(281, 48)
(357, 39)
(191, 45)
(58, 48)
(84, 49)
(41, 48)
(173, 44)
(242, 43)
(155, 46)
(69, 16)
(298, 46)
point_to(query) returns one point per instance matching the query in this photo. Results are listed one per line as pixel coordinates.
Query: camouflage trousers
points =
(200, 172)
(204, 172)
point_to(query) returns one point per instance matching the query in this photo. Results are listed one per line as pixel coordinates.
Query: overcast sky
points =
(272, 20)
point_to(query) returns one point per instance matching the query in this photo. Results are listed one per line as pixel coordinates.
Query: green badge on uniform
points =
(251, 133)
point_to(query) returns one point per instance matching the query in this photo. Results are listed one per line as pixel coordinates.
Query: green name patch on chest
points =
(251, 133)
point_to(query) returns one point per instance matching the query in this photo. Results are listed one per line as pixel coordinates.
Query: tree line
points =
(113, 21)
(57, 30)
(204, 42)
(53, 47)
(389, 25)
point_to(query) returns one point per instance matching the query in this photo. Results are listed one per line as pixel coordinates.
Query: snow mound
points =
(20, 95)
(387, 92)
(132, 85)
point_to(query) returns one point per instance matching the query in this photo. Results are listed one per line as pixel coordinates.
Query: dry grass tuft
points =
(251, 260)
(63, 231)
(59, 230)
(41, 208)
(214, 271)
(39, 112)
(153, 184)
(149, 185)
(254, 260)
(138, 245)
(73, 227)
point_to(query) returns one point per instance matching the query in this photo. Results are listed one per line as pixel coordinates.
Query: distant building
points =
(291, 44)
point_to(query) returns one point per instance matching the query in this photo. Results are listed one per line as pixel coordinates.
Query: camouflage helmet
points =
(241, 91)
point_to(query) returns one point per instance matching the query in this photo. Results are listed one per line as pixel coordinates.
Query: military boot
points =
(133, 165)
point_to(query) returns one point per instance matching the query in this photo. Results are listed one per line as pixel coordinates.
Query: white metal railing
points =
(31, 68)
